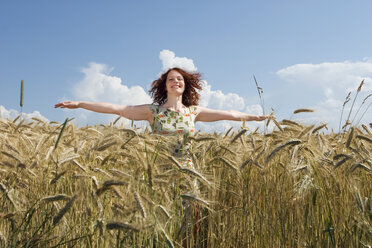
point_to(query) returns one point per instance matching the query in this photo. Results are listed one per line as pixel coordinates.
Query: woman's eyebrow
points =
(179, 77)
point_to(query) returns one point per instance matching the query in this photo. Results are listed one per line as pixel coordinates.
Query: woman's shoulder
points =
(194, 109)
(154, 108)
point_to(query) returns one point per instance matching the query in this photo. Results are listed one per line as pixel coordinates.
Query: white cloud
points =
(169, 60)
(338, 75)
(254, 109)
(218, 100)
(334, 80)
(97, 85)
(12, 114)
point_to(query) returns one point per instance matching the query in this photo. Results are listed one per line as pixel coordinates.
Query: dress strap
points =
(192, 109)
(154, 108)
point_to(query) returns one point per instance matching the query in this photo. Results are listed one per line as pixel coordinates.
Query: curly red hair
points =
(190, 96)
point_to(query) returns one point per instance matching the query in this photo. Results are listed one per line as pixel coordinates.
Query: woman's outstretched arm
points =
(137, 113)
(208, 115)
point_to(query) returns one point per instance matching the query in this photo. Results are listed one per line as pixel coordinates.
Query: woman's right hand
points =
(67, 104)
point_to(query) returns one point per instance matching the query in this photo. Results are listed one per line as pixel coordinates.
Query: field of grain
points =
(106, 186)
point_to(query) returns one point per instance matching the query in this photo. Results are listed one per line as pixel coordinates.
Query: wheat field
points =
(107, 186)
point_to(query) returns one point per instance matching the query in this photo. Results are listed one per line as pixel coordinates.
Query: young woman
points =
(176, 91)
(175, 110)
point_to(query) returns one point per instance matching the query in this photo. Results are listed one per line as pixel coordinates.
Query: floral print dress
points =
(182, 125)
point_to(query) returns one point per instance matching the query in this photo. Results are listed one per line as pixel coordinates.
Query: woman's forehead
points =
(174, 73)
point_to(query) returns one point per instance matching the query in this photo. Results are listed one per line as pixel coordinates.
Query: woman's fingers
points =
(262, 117)
(68, 104)
(58, 105)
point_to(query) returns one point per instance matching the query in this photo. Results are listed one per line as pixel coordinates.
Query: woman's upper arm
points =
(206, 114)
(137, 112)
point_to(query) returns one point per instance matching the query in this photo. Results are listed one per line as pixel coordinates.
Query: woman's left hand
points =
(262, 117)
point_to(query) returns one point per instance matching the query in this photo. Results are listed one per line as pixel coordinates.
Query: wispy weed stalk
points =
(365, 111)
(21, 100)
(352, 105)
(262, 102)
(347, 99)
(364, 100)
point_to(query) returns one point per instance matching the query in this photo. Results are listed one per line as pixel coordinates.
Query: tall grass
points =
(21, 96)
(295, 187)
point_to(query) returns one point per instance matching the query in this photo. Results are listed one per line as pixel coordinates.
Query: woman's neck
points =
(174, 103)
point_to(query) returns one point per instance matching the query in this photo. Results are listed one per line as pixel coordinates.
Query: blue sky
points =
(305, 54)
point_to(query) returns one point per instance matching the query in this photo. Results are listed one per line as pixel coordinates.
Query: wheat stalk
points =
(350, 137)
(360, 106)
(356, 95)
(175, 162)
(290, 123)
(167, 239)
(191, 197)
(105, 146)
(201, 138)
(121, 225)
(278, 148)
(194, 173)
(241, 132)
(366, 129)
(365, 111)
(363, 137)
(61, 133)
(21, 101)
(277, 124)
(305, 131)
(260, 94)
(164, 211)
(302, 110)
(114, 183)
(245, 163)
(58, 176)
(342, 162)
(139, 204)
(53, 198)
(64, 210)
(318, 128)
(347, 99)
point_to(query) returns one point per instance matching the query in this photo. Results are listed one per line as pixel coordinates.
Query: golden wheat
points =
(267, 190)
(302, 111)
(64, 210)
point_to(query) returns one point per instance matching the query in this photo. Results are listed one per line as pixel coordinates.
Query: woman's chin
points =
(176, 92)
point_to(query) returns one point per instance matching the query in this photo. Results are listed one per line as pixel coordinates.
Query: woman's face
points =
(175, 84)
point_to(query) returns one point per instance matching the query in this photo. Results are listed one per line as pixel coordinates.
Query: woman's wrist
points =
(253, 117)
(80, 104)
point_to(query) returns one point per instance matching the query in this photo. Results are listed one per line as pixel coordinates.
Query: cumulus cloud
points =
(99, 86)
(338, 75)
(169, 60)
(216, 99)
(12, 114)
(334, 81)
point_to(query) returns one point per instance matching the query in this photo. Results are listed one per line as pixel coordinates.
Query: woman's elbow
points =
(121, 111)
(234, 115)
